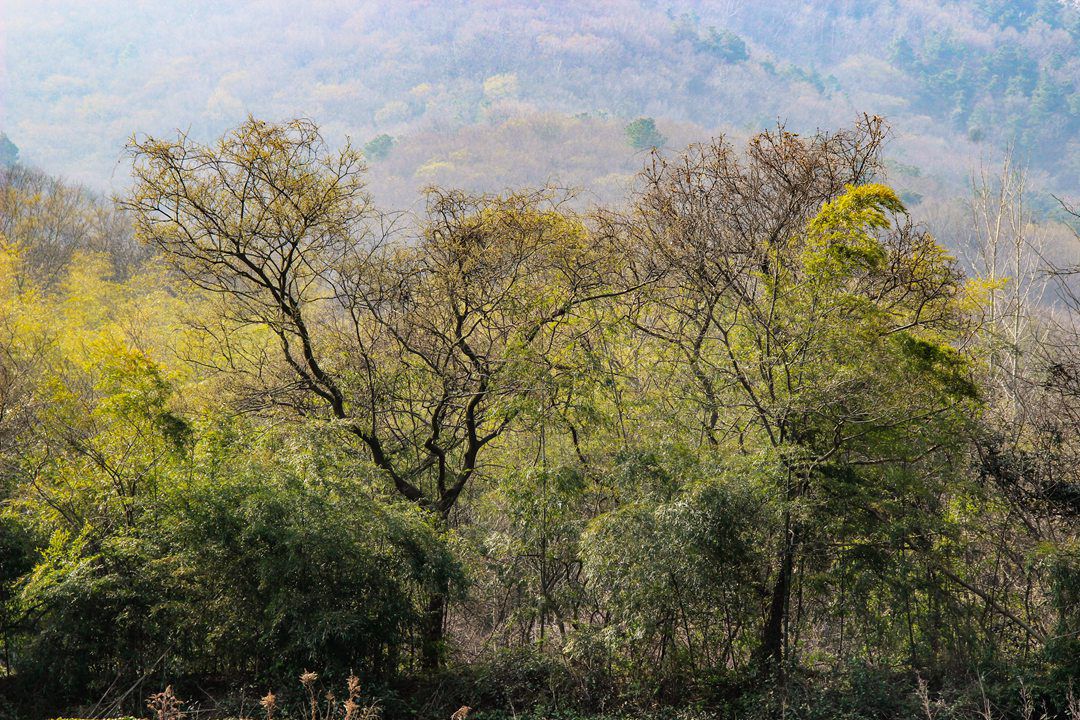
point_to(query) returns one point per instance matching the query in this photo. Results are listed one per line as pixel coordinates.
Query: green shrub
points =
(245, 580)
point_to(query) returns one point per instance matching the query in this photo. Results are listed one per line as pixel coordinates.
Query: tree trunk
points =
(431, 652)
(433, 646)
(771, 650)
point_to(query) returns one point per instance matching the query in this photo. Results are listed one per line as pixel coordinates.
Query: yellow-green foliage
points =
(840, 238)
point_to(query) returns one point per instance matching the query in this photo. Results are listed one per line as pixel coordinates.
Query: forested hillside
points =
(490, 94)
(502, 360)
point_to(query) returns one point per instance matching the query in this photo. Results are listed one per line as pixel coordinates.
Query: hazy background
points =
(488, 94)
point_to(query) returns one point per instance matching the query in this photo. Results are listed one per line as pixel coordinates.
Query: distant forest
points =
(488, 95)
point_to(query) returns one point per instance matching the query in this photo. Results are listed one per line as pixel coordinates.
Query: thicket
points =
(752, 445)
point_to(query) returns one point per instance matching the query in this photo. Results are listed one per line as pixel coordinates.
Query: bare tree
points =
(1006, 252)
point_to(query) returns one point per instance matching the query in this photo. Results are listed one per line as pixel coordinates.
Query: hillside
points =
(486, 94)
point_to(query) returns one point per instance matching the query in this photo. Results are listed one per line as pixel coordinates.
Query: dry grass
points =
(932, 708)
(353, 707)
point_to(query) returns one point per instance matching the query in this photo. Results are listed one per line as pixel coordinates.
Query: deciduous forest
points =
(518, 413)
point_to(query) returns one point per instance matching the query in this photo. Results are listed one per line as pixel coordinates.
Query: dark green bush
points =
(246, 580)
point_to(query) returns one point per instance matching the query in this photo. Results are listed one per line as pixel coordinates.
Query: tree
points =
(417, 348)
(47, 221)
(795, 298)
(379, 147)
(643, 135)
(9, 153)
(1016, 13)
(725, 45)
(1005, 253)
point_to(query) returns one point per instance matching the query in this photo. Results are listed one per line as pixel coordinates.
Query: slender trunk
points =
(771, 650)
(843, 603)
(431, 652)
(433, 626)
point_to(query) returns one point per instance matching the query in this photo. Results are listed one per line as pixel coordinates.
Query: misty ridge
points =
(956, 79)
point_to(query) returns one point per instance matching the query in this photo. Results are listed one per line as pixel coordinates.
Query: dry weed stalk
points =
(1026, 702)
(269, 704)
(352, 705)
(165, 705)
(307, 679)
(923, 692)
(985, 712)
